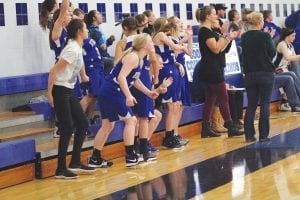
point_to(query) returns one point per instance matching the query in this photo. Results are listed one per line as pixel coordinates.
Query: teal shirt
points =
(258, 51)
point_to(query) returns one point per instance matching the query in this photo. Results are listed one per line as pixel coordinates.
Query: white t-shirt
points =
(289, 49)
(72, 53)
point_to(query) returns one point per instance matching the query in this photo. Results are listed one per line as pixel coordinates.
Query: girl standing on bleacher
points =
(62, 79)
(165, 47)
(185, 96)
(95, 71)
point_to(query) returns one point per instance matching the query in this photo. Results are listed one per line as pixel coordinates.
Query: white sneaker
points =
(56, 132)
(284, 107)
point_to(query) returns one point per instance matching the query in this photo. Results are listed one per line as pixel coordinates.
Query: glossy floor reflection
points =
(231, 167)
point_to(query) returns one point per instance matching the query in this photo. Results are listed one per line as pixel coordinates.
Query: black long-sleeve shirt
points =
(258, 50)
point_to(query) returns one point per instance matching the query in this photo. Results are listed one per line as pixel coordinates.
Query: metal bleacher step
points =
(11, 119)
(25, 125)
(35, 133)
(48, 148)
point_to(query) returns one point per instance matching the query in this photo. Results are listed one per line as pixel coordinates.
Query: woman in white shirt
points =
(286, 56)
(285, 50)
(62, 78)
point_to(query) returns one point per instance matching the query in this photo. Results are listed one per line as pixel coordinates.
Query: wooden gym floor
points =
(214, 168)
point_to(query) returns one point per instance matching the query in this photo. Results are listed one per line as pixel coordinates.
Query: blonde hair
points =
(138, 43)
(174, 30)
(255, 18)
(159, 23)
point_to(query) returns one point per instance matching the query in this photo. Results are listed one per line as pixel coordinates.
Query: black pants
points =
(259, 86)
(236, 99)
(68, 110)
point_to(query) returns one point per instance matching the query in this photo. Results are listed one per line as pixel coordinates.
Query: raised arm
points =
(220, 45)
(166, 40)
(58, 25)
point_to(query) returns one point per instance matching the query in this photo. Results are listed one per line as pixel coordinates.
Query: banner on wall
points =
(232, 61)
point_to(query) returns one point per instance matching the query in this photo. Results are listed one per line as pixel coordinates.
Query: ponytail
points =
(89, 18)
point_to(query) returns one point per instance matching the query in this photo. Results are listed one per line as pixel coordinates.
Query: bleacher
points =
(28, 149)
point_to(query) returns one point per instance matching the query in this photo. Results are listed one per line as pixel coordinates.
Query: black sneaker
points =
(182, 140)
(65, 175)
(266, 139)
(171, 142)
(147, 157)
(82, 169)
(295, 109)
(238, 124)
(99, 163)
(250, 139)
(131, 160)
(94, 120)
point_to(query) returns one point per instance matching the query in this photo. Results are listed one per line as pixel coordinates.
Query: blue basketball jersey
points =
(113, 76)
(91, 55)
(129, 41)
(58, 44)
(166, 53)
(111, 99)
(180, 57)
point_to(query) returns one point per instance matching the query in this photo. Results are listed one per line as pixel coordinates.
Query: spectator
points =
(286, 58)
(293, 21)
(212, 45)
(269, 26)
(244, 23)
(221, 11)
(234, 19)
(258, 51)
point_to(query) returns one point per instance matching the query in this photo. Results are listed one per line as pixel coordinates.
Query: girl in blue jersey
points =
(147, 116)
(185, 96)
(165, 47)
(58, 32)
(95, 71)
(62, 78)
(115, 99)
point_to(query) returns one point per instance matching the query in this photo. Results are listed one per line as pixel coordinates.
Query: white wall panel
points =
(25, 49)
